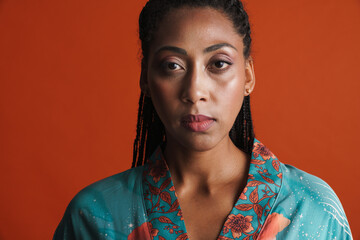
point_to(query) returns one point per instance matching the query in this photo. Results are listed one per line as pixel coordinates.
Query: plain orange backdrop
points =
(69, 87)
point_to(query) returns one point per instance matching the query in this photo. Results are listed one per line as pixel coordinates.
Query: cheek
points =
(160, 92)
(232, 91)
(163, 95)
(231, 96)
(234, 101)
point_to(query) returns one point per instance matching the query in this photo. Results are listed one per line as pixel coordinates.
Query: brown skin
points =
(208, 171)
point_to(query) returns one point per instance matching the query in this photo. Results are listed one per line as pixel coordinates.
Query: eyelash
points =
(165, 67)
(213, 67)
(171, 63)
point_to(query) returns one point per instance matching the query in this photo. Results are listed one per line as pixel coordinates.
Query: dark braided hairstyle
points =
(150, 130)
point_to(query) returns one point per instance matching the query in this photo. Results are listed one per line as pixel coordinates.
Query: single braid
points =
(242, 132)
(150, 131)
(138, 150)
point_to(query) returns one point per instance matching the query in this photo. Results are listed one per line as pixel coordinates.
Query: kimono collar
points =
(164, 217)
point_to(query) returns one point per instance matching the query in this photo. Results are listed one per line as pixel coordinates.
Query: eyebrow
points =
(183, 51)
(218, 46)
(172, 49)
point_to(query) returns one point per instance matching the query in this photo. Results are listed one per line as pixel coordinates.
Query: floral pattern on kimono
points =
(246, 218)
(279, 202)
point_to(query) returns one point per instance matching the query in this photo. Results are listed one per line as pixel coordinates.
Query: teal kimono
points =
(278, 202)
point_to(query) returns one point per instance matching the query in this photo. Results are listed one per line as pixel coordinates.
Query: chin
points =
(200, 147)
(200, 143)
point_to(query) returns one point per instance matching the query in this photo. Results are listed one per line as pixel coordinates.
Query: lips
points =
(197, 123)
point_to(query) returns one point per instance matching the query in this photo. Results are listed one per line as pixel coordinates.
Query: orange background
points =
(69, 86)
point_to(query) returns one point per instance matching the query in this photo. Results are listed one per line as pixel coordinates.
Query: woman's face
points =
(197, 76)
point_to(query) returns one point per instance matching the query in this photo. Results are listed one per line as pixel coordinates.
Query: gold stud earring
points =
(248, 91)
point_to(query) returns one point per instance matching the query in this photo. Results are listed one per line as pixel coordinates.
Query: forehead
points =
(195, 28)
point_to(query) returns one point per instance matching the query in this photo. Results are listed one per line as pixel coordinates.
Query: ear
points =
(144, 86)
(249, 76)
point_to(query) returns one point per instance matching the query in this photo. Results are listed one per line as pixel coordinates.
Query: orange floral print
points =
(144, 231)
(242, 195)
(238, 224)
(274, 224)
(180, 214)
(158, 170)
(264, 152)
(153, 231)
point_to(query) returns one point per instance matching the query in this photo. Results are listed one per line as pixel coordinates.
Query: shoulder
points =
(104, 192)
(125, 183)
(306, 187)
(300, 179)
(305, 197)
(104, 207)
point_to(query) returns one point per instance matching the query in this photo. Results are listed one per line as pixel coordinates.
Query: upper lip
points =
(195, 118)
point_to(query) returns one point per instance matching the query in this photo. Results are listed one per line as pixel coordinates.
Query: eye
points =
(173, 66)
(170, 66)
(219, 65)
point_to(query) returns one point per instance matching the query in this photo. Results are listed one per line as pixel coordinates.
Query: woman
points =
(195, 145)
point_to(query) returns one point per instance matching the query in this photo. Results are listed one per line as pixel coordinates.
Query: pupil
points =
(172, 66)
(219, 64)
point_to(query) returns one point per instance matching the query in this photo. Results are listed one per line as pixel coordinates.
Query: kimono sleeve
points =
(87, 217)
(108, 209)
(310, 207)
(72, 225)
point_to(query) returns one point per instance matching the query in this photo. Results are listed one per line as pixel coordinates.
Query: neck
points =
(210, 169)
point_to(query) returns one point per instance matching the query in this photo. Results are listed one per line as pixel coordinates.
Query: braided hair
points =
(150, 131)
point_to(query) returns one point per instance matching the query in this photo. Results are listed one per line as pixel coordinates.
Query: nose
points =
(195, 87)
